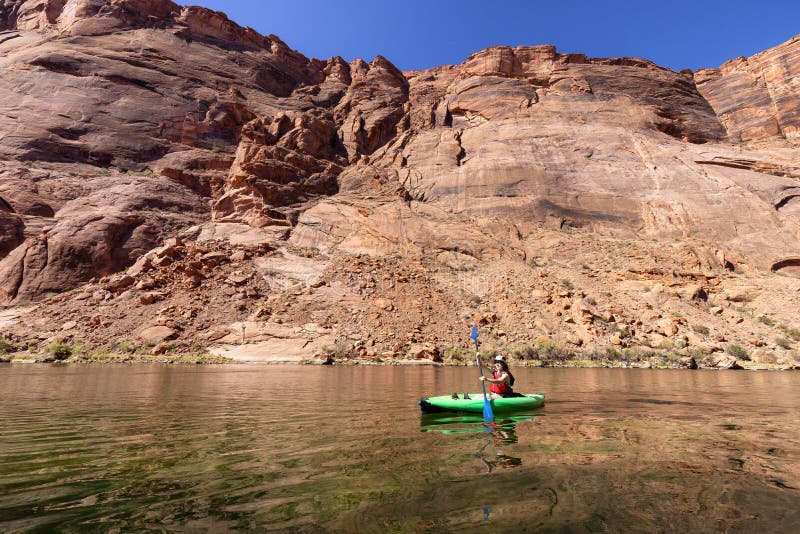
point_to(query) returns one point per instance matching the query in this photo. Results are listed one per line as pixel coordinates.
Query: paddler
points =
(502, 380)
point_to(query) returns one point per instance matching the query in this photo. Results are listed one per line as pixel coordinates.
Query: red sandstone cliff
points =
(127, 122)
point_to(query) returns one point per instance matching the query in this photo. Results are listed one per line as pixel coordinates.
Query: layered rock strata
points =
(757, 97)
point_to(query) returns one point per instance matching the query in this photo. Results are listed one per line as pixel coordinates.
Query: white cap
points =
(499, 358)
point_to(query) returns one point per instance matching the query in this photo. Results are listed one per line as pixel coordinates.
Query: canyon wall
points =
(127, 124)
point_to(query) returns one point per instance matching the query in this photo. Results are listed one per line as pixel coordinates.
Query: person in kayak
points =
(501, 381)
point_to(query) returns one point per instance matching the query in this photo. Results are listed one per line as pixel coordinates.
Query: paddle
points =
(488, 414)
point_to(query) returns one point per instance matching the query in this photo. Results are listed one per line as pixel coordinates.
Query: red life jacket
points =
(500, 389)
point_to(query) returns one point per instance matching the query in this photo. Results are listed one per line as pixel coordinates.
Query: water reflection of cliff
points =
(494, 435)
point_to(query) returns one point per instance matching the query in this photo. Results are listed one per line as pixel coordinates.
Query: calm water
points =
(319, 449)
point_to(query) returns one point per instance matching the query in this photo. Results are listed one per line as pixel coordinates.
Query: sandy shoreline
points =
(183, 359)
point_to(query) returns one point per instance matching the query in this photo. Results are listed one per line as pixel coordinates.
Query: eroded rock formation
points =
(292, 157)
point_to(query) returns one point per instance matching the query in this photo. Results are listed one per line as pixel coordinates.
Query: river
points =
(260, 448)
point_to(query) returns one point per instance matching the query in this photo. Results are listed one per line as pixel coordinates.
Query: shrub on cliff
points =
(6, 347)
(60, 351)
(738, 352)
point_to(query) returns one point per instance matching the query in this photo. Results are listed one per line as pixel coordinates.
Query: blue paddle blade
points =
(474, 333)
(488, 414)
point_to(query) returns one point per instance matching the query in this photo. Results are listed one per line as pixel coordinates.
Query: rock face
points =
(100, 231)
(99, 96)
(159, 75)
(616, 146)
(290, 158)
(757, 97)
(129, 122)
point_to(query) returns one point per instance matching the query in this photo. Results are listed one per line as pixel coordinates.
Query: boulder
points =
(722, 361)
(238, 278)
(160, 348)
(741, 294)
(156, 334)
(239, 255)
(384, 304)
(692, 292)
(487, 319)
(667, 327)
(656, 339)
(424, 351)
(119, 283)
(146, 299)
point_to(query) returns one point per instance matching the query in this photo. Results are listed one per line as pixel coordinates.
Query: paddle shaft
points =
(480, 369)
(487, 407)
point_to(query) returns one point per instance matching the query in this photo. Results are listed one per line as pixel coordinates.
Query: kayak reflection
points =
(452, 423)
(498, 433)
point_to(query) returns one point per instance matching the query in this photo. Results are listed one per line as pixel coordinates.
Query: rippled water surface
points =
(307, 449)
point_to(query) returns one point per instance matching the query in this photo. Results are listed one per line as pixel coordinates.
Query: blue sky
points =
(417, 34)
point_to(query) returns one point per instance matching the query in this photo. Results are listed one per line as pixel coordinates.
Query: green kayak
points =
(474, 403)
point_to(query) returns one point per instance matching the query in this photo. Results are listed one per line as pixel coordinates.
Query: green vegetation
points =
(542, 349)
(566, 284)
(623, 331)
(666, 344)
(697, 354)
(783, 343)
(6, 347)
(738, 352)
(60, 351)
(546, 352)
(305, 252)
(700, 329)
(766, 320)
(534, 263)
(198, 347)
(146, 357)
(526, 352)
(454, 353)
(341, 349)
(793, 333)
